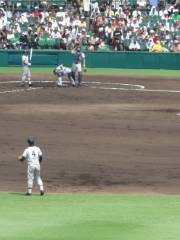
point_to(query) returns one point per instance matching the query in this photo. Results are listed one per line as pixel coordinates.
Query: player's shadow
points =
(23, 194)
(17, 193)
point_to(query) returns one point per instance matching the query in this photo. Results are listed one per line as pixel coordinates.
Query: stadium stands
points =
(119, 25)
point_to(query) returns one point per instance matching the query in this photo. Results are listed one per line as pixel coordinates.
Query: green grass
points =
(89, 217)
(106, 71)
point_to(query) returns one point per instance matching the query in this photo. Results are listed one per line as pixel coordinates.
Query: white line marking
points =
(106, 83)
(19, 90)
(159, 90)
(121, 84)
(4, 82)
(135, 87)
(138, 89)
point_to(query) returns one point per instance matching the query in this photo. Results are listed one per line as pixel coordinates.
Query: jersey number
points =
(33, 154)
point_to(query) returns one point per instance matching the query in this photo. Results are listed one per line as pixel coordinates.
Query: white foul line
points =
(138, 89)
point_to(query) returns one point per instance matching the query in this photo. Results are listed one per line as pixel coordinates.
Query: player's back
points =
(67, 70)
(32, 155)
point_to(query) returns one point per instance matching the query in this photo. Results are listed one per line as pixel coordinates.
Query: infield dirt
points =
(93, 140)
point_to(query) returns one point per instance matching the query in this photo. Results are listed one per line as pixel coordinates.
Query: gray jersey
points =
(78, 57)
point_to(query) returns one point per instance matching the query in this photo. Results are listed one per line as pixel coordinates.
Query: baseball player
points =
(33, 156)
(26, 75)
(61, 71)
(78, 59)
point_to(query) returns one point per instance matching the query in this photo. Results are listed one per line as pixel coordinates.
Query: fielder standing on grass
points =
(33, 155)
(26, 74)
(78, 61)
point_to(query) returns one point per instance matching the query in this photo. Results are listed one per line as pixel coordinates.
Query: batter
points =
(26, 74)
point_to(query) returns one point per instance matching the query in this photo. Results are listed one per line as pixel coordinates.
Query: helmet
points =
(26, 52)
(30, 141)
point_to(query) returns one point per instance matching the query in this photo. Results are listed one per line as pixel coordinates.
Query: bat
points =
(30, 55)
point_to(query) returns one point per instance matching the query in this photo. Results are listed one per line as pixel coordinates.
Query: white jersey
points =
(61, 70)
(67, 70)
(25, 60)
(32, 154)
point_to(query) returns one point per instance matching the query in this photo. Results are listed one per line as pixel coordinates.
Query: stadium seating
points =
(46, 40)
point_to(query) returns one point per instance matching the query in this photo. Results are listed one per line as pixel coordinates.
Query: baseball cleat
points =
(28, 194)
(41, 193)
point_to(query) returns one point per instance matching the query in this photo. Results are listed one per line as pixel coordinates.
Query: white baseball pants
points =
(33, 172)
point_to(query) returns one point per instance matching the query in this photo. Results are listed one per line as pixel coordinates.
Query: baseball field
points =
(111, 151)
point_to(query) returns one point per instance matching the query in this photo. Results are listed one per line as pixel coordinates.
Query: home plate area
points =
(17, 86)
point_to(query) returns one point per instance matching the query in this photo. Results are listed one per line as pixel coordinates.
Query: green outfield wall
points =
(136, 60)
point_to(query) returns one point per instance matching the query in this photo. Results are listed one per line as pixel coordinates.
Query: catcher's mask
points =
(30, 141)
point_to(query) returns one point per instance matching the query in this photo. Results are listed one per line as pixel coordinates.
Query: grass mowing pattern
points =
(103, 71)
(89, 217)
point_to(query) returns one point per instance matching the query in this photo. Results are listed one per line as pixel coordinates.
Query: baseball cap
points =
(30, 141)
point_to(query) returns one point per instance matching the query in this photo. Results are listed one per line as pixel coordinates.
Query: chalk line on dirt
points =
(122, 87)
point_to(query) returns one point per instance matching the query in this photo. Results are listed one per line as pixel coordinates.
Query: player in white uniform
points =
(33, 156)
(26, 74)
(61, 71)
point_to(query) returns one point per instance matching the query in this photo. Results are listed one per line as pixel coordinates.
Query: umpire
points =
(78, 60)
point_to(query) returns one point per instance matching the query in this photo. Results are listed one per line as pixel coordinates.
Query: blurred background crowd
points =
(119, 25)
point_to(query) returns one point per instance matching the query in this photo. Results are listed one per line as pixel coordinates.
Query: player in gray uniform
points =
(78, 61)
(61, 71)
(26, 74)
(33, 156)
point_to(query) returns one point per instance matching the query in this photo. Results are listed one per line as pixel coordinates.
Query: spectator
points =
(176, 46)
(153, 11)
(118, 45)
(134, 45)
(3, 20)
(157, 47)
(141, 3)
(67, 26)
(109, 12)
(94, 40)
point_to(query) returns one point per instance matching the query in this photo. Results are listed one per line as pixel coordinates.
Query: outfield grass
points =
(89, 217)
(105, 71)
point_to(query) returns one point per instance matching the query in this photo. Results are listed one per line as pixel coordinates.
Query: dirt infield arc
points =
(94, 139)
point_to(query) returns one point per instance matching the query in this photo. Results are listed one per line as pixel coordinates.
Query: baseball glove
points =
(84, 69)
(19, 158)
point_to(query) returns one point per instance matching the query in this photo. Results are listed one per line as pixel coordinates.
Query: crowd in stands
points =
(109, 26)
